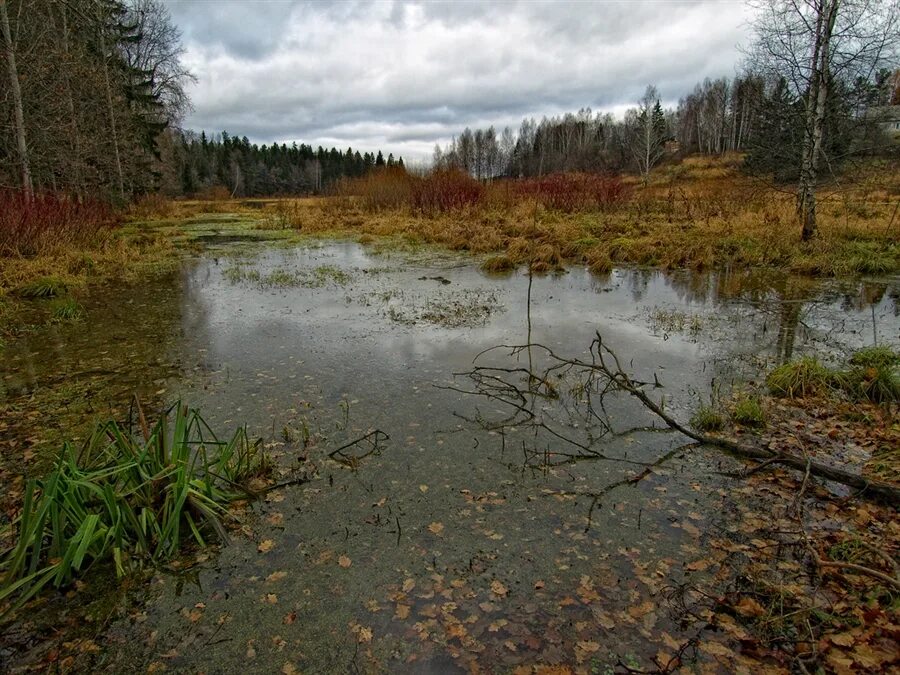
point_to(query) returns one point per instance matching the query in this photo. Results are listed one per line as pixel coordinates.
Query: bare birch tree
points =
(648, 132)
(813, 44)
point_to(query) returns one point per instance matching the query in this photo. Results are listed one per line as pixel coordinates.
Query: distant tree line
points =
(199, 163)
(759, 113)
(92, 93)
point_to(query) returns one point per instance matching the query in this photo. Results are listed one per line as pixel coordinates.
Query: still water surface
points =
(451, 545)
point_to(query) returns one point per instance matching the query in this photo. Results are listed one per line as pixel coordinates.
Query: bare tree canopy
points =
(93, 88)
(819, 49)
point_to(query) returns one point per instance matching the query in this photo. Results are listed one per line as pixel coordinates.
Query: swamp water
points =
(456, 542)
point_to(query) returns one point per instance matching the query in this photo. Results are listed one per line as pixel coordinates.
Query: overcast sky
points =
(401, 76)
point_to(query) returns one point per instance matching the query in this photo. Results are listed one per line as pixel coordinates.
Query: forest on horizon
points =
(104, 118)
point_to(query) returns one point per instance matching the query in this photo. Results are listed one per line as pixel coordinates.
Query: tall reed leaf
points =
(125, 499)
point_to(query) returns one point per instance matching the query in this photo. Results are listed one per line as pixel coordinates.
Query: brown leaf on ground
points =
(716, 649)
(747, 606)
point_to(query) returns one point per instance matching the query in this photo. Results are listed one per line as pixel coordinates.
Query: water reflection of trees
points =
(788, 300)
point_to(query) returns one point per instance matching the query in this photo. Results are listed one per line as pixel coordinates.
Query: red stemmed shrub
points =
(29, 226)
(445, 190)
(571, 192)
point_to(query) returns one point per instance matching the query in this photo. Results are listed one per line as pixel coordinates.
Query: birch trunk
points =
(120, 181)
(816, 100)
(16, 90)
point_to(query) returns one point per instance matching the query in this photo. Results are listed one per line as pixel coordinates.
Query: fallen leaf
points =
(747, 606)
(497, 588)
(716, 649)
(265, 546)
(344, 562)
(436, 528)
(585, 647)
(497, 625)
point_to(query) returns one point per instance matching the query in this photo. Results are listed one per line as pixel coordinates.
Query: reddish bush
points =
(445, 190)
(213, 193)
(384, 188)
(574, 191)
(28, 226)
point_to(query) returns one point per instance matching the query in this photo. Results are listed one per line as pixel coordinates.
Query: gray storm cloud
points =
(402, 76)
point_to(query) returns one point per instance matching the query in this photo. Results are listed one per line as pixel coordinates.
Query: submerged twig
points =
(373, 437)
(605, 365)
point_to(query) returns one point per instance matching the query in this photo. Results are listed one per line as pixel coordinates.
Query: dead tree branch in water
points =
(601, 352)
(604, 373)
(532, 400)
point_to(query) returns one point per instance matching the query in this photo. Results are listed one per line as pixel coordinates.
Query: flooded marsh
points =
(457, 541)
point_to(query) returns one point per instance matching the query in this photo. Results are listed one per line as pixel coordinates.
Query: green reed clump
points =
(874, 374)
(126, 499)
(45, 287)
(65, 309)
(800, 378)
(748, 411)
(707, 418)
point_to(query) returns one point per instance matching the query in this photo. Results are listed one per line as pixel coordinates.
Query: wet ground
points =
(454, 546)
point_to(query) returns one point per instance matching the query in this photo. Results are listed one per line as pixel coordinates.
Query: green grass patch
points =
(317, 277)
(127, 500)
(868, 257)
(65, 310)
(800, 378)
(874, 375)
(749, 411)
(875, 357)
(707, 418)
(44, 287)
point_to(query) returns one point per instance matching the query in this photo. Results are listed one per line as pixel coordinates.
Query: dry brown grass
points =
(701, 213)
(127, 258)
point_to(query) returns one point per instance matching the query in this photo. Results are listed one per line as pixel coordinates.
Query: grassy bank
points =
(43, 279)
(701, 213)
